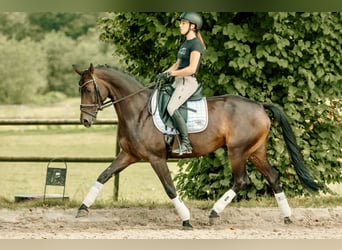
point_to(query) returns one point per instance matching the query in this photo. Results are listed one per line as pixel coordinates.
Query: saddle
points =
(194, 112)
(163, 97)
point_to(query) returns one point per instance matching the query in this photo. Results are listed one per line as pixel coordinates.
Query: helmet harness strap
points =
(190, 29)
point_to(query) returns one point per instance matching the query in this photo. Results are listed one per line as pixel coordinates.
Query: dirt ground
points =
(164, 223)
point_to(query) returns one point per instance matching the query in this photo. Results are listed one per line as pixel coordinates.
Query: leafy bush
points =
(290, 59)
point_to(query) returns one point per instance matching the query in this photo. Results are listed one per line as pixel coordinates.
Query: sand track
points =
(164, 223)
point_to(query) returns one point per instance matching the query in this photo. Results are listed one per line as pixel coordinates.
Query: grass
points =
(138, 182)
(139, 185)
(263, 202)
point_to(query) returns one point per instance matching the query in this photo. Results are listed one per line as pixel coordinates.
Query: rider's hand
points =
(162, 76)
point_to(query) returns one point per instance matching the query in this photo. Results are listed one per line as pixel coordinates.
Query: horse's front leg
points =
(163, 172)
(122, 161)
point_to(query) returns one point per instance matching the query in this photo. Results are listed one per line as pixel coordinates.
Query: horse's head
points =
(91, 100)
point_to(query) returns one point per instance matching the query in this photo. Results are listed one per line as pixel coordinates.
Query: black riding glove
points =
(162, 76)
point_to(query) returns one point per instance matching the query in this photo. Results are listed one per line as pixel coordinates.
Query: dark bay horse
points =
(236, 122)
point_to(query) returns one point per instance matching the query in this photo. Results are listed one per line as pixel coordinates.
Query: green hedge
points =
(289, 59)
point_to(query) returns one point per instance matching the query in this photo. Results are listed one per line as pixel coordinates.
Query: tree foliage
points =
(22, 81)
(38, 51)
(62, 52)
(289, 59)
(19, 25)
(73, 25)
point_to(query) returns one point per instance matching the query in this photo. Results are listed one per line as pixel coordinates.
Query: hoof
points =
(82, 213)
(213, 217)
(287, 220)
(187, 225)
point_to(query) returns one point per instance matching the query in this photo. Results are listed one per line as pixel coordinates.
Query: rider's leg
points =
(179, 123)
(184, 88)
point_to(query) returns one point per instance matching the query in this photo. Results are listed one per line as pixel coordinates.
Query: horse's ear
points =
(77, 70)
(91, 69)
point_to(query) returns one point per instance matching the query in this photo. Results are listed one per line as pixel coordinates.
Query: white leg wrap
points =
(283, 204)
(93, 193)
(224, 201)
(182, 210)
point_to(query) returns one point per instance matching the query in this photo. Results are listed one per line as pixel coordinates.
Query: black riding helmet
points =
(192, 17)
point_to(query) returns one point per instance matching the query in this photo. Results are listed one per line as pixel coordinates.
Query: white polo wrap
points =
(93, 193)
(224, 201)
(182, 210)
(283, 204)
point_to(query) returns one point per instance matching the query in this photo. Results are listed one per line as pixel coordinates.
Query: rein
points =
(98, 105)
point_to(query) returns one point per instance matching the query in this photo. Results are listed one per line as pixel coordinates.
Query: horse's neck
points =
(132, 109)
(120, 84)
(130, 99)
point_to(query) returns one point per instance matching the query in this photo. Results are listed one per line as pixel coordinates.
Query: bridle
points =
(99, 105)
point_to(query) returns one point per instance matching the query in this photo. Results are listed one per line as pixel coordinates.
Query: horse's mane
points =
(116, 69)
(106, 66)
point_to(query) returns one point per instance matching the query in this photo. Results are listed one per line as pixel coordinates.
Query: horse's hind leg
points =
(259, 159)
(241, 180)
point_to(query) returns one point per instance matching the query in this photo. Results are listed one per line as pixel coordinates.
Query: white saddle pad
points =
(197, 121)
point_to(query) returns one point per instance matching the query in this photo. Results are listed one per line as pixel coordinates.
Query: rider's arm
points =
(173, 67)
(189, 70)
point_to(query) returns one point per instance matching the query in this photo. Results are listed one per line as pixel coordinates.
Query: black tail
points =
(292, 148)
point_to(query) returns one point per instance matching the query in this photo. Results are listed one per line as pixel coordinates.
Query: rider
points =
(184, 70)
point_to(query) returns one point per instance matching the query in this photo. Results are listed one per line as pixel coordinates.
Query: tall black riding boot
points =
(179, 123)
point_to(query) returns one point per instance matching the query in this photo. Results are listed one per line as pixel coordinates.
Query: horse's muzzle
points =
(88, 117)
(86, 123)
(86, 120)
